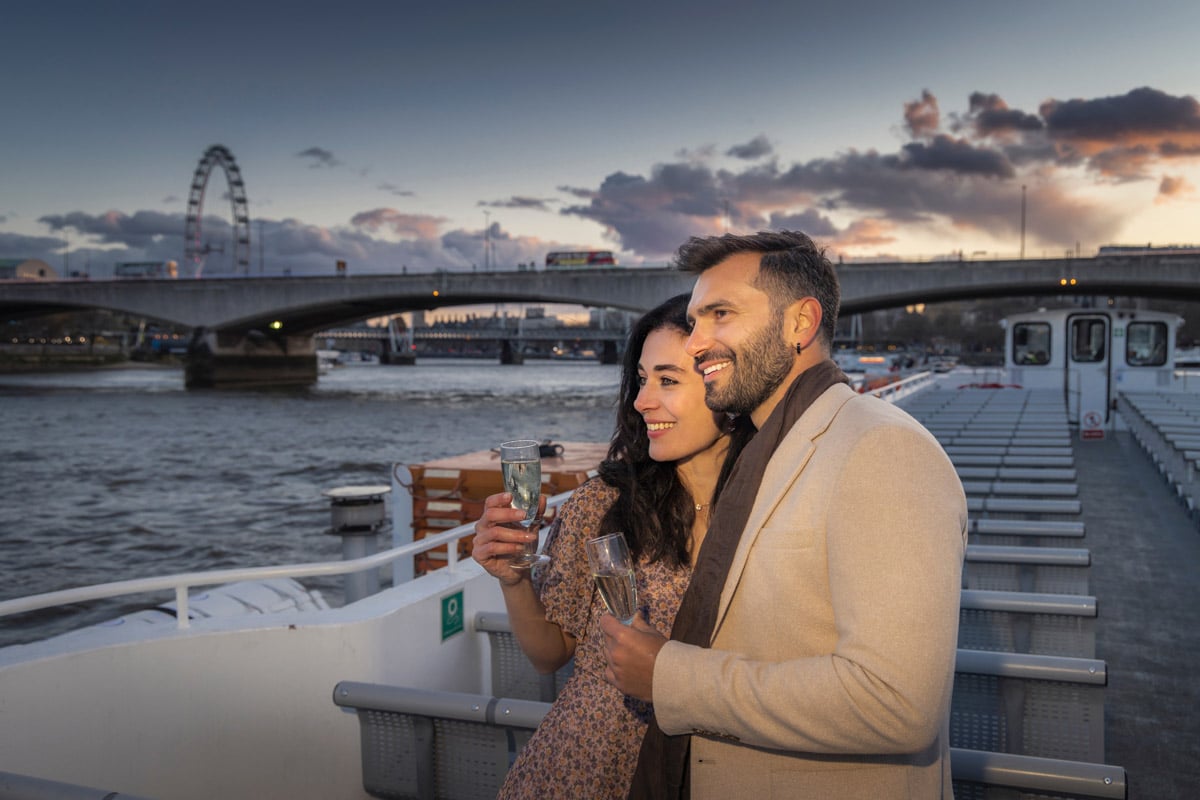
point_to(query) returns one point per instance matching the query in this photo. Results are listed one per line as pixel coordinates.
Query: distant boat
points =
(356, 358)
(327, 359)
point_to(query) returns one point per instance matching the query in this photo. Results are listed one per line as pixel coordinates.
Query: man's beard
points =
(761, 368)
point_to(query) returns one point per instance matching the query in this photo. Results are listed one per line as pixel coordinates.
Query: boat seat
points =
(1025, 532)
(1055, 570)
(421, 743)
(1011, 488)
(1027, 622)
(1022, 508)
(1029, 777)
(512, 674)
(1037, 705)
(426, 744)
(1009, 460)
(995, 472)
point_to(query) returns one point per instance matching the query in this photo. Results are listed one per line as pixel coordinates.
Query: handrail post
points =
(182, 614)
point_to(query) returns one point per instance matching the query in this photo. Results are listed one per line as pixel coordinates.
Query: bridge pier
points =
(509, 352)
(609, 354)
(231, 360)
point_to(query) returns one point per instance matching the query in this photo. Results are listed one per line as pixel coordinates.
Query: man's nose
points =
(697, 342)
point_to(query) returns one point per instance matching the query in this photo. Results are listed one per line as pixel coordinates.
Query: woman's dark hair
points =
(654, 510)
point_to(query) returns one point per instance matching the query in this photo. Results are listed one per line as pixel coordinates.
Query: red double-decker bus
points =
(581, 258)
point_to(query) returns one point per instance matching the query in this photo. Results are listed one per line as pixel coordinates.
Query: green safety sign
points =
(452, 614)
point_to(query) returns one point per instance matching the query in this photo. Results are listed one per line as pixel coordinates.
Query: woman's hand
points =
(499, 536)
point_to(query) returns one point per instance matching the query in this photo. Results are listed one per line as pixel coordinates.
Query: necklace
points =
(702, 506)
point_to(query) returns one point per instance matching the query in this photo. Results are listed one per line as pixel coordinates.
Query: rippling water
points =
(118, 474)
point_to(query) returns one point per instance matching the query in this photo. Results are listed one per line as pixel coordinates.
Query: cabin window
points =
(1146, 344)
(1087, 340)
(1031, 343)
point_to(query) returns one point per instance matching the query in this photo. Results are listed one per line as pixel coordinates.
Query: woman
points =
(668, 458)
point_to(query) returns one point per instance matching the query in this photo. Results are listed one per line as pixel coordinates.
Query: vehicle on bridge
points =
(582, 258)
(1113, 250)
(146, 269)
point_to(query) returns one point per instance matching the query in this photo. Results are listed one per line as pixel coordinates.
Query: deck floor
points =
(1146, 578)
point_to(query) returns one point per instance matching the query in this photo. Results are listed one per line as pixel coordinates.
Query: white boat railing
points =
(902, 388)
(182, 582)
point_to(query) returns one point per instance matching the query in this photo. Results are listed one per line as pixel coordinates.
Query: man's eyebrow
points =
(707, 308)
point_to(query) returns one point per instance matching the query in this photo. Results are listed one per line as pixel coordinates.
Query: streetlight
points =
(1022, 222)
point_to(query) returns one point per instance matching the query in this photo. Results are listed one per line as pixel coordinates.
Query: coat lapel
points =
(784, 468)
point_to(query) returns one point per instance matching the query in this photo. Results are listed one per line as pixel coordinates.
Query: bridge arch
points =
(195, 249)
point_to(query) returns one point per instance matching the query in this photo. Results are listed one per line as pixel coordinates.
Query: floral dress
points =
(587, 745)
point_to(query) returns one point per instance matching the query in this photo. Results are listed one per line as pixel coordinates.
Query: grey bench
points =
(512, 674)
(977, 774)
(1046, 706)
(424, 744)
(1021, 507)
(1015, 568)
(1002, 460)
(1027, 622)
(995, 472)
(1011, 488)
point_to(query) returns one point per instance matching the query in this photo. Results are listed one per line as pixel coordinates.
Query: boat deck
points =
(1146, 576)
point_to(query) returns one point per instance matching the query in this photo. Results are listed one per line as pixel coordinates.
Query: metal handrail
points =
(902, 388)
(182, 582)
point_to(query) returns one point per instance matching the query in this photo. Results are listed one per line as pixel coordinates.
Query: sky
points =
(455, 135)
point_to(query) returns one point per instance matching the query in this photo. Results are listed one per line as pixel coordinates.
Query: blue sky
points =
(392, 134)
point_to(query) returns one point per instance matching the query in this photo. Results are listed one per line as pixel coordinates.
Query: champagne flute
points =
(521, 466)
(612, 568)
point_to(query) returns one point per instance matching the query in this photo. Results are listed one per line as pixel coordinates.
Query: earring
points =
(799, 348)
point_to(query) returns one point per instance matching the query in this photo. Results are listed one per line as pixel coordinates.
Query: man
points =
(813, 655)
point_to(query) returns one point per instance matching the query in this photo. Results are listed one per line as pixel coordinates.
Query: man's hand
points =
(630, 651)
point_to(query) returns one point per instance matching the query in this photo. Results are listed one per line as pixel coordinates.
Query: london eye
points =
(196, 250)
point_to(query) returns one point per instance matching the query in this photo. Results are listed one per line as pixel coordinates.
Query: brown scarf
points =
(662, 769)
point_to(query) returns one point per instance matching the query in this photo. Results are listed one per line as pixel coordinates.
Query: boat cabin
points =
(1091, 354)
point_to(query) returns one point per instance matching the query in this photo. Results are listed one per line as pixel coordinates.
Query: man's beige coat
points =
(832, 661)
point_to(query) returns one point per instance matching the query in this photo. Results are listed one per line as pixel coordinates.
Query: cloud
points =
(965, 179)
(989, 115)
(395, 190)
(143, 229)
(1121, 135)
(579, 192)
(922, 117)
(652, 216)
(534, 203)
(953, 155)
(756, 148)
(1171, 187)
(18, 245)
(420, 226)
(705, 152)
(318, 157)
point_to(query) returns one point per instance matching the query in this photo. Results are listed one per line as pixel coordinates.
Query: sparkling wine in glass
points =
(521, 466)
(612, 569)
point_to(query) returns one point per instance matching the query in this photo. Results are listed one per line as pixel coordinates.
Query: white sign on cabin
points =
(1091, 425)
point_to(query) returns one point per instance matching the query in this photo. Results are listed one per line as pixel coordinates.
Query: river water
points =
(122, 473)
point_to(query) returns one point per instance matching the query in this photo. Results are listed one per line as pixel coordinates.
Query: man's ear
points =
(803, 321)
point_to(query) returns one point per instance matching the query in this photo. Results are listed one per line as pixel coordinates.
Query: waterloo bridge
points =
(260, 329)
